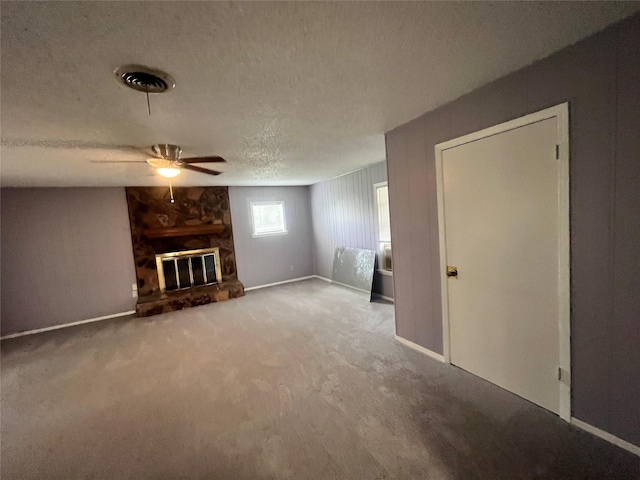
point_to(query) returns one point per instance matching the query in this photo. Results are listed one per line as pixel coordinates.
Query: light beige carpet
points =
(301, 381)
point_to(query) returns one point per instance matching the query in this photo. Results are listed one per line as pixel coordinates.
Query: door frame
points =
(561, 114)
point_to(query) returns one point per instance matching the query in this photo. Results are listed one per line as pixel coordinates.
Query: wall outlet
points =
(292, 268)
(134, 290)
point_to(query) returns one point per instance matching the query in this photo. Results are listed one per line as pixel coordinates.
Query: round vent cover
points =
(144, 79)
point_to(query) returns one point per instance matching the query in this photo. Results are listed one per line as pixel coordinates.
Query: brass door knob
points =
(452, 271)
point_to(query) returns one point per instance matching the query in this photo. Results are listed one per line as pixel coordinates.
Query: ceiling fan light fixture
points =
(168, 172)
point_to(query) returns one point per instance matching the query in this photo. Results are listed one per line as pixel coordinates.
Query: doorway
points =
(503, 212)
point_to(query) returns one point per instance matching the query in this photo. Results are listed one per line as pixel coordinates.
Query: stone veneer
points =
(150, 209)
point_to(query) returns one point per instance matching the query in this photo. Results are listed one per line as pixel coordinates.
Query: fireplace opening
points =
(189, 268)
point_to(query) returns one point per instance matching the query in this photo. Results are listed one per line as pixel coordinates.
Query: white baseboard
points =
(65, 325)
(606, 436)
(415, 346)
(351, 287)
(299, 279)
(388, 299)
(376, 295)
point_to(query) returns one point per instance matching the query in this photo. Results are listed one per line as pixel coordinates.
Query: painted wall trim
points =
(299, 279)
(349, 286)
(388, 299)
(375, 295)
(561, 114)
(630, 447)
(418, 348)
(65, 325)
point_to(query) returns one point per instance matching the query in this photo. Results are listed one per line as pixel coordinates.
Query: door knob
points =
(452, 271)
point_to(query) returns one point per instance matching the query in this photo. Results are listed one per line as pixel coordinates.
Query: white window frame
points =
(376, 186)
(284, 230)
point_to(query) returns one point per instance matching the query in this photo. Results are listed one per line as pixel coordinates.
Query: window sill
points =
(274, 234)
(388, 273)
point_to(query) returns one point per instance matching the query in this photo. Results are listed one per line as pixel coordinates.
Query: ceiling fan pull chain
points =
(148, 104)
(171, 192)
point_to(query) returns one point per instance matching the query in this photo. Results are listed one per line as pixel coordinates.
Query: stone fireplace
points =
(183, 251)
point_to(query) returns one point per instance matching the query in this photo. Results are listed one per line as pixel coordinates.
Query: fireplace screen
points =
(190, 268)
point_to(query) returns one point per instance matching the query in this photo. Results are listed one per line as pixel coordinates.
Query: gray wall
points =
(344, 215)
(274, 258)
(66, 256)
(600, 78)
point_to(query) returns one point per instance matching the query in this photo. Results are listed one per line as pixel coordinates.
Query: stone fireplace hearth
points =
(183, 252)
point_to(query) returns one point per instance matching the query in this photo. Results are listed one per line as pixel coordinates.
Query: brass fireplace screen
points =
(189, 268)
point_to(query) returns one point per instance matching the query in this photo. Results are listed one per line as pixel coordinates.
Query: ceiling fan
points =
(169, 163)
(167, 156)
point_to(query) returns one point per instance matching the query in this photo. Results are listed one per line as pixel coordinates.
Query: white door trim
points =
(561, 113)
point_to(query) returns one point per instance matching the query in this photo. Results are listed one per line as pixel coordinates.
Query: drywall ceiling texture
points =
(290, 93)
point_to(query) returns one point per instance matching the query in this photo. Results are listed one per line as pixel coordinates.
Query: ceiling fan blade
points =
(201, 170)
(213, 159)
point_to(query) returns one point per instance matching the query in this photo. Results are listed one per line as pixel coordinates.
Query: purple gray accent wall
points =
(600, 78)
(344, 215)
(276, 258)
(66, 256)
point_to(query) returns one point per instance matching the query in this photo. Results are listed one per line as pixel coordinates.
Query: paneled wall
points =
(66, 256)
(600, 78)
(344, 215)
(276, 258)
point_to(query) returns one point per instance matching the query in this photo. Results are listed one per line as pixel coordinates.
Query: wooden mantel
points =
(183, 231)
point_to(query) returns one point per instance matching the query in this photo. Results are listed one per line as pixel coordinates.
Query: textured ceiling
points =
(289, 93)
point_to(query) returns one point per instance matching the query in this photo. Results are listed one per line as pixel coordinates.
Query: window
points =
(384, 226)
(268, 218)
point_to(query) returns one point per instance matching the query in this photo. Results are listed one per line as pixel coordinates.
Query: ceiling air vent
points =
(145, 79)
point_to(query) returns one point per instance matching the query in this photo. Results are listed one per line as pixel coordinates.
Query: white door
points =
(501, 227)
